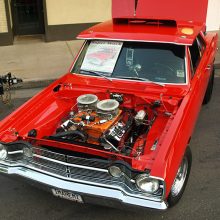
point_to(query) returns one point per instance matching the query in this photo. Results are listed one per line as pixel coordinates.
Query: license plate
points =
(67, 195)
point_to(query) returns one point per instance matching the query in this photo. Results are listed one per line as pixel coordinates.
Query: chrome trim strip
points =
(17, 166)
(77, 56)
(70, 164)
(164, 185)
(163, 42)
(83, 187)
(146, 82)
(112, 78)
(15, 152)
(186, 68)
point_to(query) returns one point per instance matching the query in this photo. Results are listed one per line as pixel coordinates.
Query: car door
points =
(201, 62)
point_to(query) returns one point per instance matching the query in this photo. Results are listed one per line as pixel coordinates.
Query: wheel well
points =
(189, 140)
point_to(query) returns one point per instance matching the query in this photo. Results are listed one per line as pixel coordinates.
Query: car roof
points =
(145, 30)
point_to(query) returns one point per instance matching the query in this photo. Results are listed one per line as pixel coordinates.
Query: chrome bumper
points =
(86, 177)
(85, 189)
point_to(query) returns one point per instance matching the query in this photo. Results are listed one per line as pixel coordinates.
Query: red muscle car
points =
(120, 137)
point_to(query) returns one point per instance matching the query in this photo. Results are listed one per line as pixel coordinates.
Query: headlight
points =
(147, 184)
(3, 152)
(27, 152)
(115, 171)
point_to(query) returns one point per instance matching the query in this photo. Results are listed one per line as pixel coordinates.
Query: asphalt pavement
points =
(201, 199)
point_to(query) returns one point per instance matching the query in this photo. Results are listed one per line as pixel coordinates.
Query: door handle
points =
(209, 67)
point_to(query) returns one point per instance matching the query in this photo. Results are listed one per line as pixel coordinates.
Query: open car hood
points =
(177, 10)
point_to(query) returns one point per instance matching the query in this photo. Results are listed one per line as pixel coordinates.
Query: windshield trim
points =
(77, 56)
(129, 40)
(148, 82)
(112, 78)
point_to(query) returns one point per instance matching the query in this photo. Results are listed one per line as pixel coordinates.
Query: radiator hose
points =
(71, 135)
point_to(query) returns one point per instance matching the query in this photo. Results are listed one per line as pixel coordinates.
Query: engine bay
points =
(107, 124)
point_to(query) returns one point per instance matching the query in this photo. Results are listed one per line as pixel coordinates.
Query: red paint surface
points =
(45, 111)
(178, 10)
(142, 32)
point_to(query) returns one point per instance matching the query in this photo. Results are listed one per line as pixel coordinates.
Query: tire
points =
(179, 186)
(208, 94)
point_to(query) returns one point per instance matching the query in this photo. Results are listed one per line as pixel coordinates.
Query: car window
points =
(195, 52)
(201, 44)
(157, 62)
(79, 61)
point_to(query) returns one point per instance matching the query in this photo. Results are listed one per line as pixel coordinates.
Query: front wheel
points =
(181, 179)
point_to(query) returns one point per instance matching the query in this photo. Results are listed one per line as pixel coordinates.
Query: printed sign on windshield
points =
(102, 56)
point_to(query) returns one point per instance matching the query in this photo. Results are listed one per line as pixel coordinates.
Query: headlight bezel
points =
(15, 150)
(149, 180)
(118, 171)
(27, 152)
(4, 155)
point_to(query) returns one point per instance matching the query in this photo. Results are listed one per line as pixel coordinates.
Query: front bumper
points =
(81, 176)
(91, 192)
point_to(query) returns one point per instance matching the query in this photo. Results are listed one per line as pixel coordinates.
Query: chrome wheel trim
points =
(180, 178)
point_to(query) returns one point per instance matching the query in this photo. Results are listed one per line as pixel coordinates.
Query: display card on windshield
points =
(102, 56)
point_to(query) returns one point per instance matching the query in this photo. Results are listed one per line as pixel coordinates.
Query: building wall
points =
(77, 11)
(213, 16)
(66, 18)
(6, 37)
(10, 13)
(3, 18)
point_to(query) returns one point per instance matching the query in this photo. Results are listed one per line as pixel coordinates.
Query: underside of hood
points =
(177, 10)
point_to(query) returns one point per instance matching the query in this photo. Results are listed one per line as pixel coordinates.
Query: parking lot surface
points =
(201, 199)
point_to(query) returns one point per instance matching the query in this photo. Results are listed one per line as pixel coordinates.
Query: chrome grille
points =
(49, 154)
(88, 162)
(91, 170)
(43, 167)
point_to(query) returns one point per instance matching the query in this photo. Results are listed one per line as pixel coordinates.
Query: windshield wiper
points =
(140, 79)
(90, 72)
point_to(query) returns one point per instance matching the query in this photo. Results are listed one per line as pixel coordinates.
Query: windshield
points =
(157, 62)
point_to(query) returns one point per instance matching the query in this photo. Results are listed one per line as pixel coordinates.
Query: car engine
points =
(103, 124)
